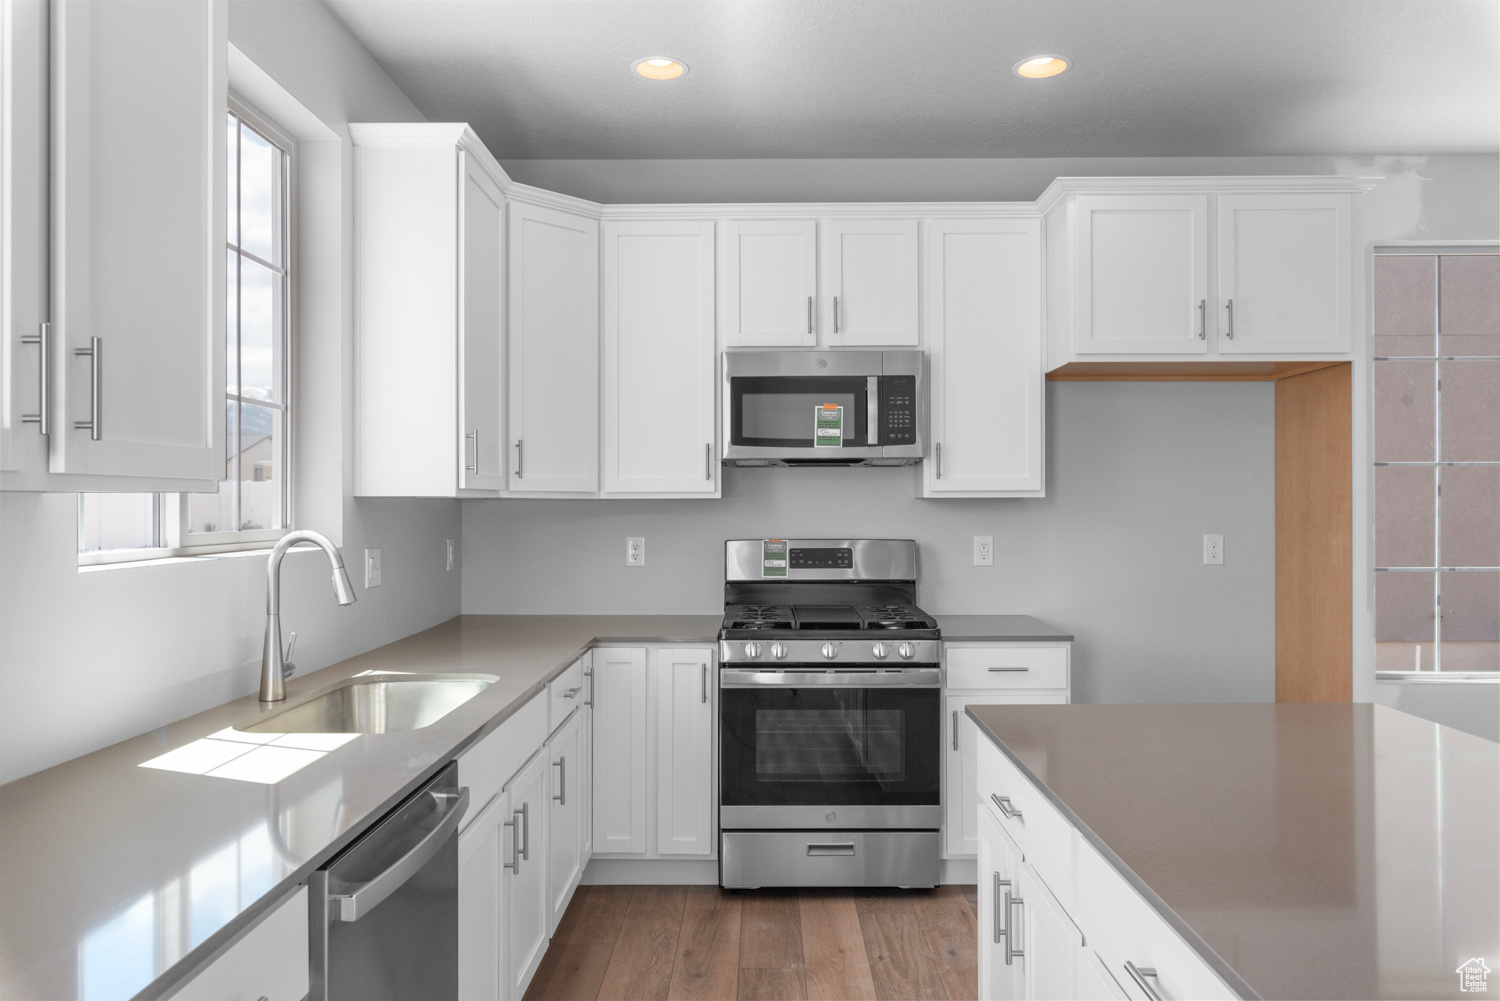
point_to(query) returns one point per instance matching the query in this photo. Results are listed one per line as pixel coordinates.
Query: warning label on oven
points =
(773, 558)
(828, 425)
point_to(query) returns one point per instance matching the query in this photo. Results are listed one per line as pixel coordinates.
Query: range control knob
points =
(830, 651)
(778, 650)
(752, 650)
(907, 651)
(880, 650)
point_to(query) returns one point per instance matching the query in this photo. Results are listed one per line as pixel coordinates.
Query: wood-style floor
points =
(630, 943)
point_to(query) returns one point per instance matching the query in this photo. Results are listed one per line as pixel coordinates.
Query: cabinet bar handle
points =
(1011, 952)
(526, 831)
(705, 684)
(1007, 808)
(518, 458)
(562, 780)
(475, 467)
(995, 670)
(1230, 332)
(1002, 886)
(572, 692)
(589, 674)
(809, 315)
(835, 314)
(514, 865)
(708, 462)
(955, 729)
(43, 340)
(93, 424)
(1202, 319)
(1139, 975)
(940, 460)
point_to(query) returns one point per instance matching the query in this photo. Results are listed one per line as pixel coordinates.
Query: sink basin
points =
(376, 704)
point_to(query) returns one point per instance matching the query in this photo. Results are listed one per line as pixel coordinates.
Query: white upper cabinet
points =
(770, 282)
(1141, 274)
(429, 231)
(984, 324)
(659, 414)
(554, 351)
(1284, 266)
(138, 235)
(870, 282)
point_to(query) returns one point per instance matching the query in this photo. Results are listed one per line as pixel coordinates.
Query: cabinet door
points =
(870, 281)
(482, 446)
(138, 237)
(1141, 274)
(481, 847)
(620, 750)
(1094, 981)
(1049, 938)
(1285, 281)
(526, 925)
(984, 329)
(659, 357)
(554, 351)
(684, 751)
(1001, 974)
(961, 763)
(564, 834)
(769, 277)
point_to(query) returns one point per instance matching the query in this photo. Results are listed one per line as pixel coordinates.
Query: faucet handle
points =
(287, 667)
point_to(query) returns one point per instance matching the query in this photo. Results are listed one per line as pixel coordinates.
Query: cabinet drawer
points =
(566, 692)
(1123, 928)
(269, 963)
(1006, 667)
(489, 764)
(1038, 829)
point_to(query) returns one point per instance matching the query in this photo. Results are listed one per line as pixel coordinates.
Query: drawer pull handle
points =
(1007, 808)
(997, 670)
(1140, 974)
(831, 848)
(1011, 952)
(572, 692)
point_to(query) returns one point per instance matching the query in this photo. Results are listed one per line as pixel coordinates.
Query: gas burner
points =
(760, 617)
(891, 616)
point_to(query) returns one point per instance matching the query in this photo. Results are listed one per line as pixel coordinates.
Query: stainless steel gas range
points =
(830, 738)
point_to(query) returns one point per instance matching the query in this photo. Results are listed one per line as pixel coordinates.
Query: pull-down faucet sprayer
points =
(274, 664)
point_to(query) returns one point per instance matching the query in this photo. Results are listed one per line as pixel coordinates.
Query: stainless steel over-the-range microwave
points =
(824, 408)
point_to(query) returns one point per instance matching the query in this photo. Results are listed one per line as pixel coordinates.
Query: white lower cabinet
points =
(1047, 936)
(684, 751)
(1094, 981)
(526, 928)
(619, 806)
(565, 859)
(481, 955)
(1001, 971)
(270, 963)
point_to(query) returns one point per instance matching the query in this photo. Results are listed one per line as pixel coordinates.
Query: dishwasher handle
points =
(356, 904)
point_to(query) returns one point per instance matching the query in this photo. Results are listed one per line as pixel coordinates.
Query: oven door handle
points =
(908, 678)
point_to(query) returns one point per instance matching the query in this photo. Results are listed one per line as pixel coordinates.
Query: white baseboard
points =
(705, 872)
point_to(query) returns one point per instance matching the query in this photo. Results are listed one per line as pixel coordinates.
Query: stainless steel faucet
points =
(274, 664)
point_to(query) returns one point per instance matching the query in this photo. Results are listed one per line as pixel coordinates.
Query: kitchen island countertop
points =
(1303, 850)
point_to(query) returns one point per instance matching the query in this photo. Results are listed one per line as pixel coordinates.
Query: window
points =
(1437, 463)
(253, 503)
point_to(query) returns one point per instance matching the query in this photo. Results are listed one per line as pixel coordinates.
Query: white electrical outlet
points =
(450, 553)
(984, 550)
(1213, 549)
(635, 551)
(372, 568)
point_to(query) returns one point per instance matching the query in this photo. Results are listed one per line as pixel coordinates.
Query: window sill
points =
(260, 550)
(1440, 677)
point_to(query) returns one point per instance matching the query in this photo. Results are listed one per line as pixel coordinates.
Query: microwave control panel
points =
(898, 410)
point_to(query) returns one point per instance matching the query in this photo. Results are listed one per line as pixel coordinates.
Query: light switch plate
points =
(372, 568)
(1213, 550)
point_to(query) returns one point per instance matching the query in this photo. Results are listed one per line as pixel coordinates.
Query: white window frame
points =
(171, 516)
(1436, 674)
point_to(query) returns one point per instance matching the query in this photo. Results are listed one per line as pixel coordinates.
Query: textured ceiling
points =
(932, 78)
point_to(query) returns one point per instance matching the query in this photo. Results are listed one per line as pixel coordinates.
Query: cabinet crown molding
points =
(419, 134)
(1230, 185)
(822, 210)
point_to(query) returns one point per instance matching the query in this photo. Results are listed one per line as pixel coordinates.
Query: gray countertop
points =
(999, 629)
(1305, 850)
(112, 874)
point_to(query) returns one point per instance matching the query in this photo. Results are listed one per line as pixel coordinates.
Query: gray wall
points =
(1137, 473)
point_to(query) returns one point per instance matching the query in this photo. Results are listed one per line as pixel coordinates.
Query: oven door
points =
(811, 748)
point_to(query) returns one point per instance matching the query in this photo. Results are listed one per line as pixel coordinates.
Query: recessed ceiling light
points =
(659, 68)
(1038, 67)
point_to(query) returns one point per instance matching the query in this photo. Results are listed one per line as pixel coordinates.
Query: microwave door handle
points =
(872, 408)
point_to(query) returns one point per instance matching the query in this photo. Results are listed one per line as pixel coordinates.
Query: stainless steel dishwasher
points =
(385, 910)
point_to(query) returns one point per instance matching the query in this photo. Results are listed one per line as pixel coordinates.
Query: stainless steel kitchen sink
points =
(376, 704)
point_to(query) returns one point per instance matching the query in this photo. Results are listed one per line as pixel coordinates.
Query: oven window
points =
(843, 744)
(780, 412)
(830, 745)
